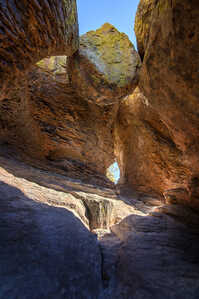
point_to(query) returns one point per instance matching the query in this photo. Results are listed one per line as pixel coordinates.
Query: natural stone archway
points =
(48, 121)
(145, 248)
(113, 172)
(32, 30)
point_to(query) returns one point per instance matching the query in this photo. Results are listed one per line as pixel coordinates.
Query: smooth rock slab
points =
(159, 257)
(45, 251)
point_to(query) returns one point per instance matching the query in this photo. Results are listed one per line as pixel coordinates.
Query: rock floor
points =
(61, 238)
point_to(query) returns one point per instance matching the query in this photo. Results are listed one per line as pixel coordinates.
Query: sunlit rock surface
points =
(65, 230)
(106, 67)
(167, 34)
(51, 126)
(148, 158)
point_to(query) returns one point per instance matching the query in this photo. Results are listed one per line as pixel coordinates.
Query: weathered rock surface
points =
(45, 251)
(106, 67)
(31, 31)
(46, 248)
(48, 122)
(148, 158)
(158, 256)
(97, 207)
(167, 34)
(51, 125)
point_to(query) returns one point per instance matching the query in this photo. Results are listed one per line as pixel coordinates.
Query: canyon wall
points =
(52, 123)
(167, 134)
(31, 31)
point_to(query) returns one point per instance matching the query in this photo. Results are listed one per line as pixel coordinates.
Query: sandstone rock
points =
(55, 65)
(31, 31)
(143, 22)
(103, 212)
(158, 258)
(47, 121)
(106, 67)
(46, 248)
(148, 158)
(167, 34)
(45, 251)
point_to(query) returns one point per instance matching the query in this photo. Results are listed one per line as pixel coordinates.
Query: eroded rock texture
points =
(106, 67)
(158, 256)
(30, 31)
(47, 121)
(149, 160)
(48, 250)
(46, 246)
(167, 34)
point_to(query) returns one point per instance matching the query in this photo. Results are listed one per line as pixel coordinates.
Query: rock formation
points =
(106, 66)
(31, 31)
(48, 249)
(167, 136)
(48, 120)
(147, 157)
(65, 231)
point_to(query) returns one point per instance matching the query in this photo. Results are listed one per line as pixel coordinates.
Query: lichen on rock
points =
(106, 67)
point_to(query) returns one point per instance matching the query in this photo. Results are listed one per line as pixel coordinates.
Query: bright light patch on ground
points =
(113, 173)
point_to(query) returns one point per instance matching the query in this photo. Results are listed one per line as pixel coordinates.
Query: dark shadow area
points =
(45, 251)
(159, 258)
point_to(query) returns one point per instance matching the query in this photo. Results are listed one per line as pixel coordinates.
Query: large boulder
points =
(31, 31)
(167, 35)
(106, 67)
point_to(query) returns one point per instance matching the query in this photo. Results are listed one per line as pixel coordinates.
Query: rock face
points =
(142, 137)
(106, 67)
(64, 230)
(31, 31)
(158, 257)
(49, 121)
(46, 251)
(57, 128)
(167, 37)
(47, 248)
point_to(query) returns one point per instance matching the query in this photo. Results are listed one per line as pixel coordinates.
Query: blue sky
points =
(94, 13)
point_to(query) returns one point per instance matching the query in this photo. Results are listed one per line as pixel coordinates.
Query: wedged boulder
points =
(168, 41)
(31, 31)
(148, 158)
(106, 67)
